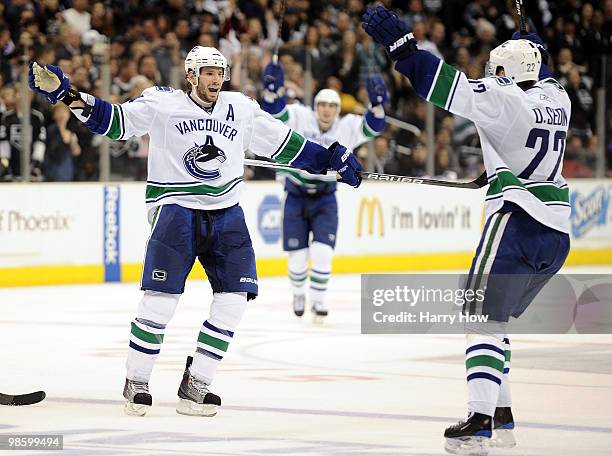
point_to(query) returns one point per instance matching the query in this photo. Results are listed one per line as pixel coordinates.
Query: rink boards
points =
(90, 233)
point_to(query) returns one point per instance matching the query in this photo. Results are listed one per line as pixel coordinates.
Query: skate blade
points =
(473, 446)
(187, 407)
(298, 313)
(133, 409)
(503, 438)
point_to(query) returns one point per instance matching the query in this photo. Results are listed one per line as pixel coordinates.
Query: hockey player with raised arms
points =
(195, 169)
(310, 204)
(522, 115)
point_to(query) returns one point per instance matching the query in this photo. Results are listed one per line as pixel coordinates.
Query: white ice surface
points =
(289, 387)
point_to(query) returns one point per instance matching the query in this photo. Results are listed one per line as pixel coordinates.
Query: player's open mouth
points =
(213, 89)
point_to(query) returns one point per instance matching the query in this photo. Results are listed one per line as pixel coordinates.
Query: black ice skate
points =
(299, 303)
(194, 397)
(503, 428)
(137, 396)
(471, 436)
(319, 310)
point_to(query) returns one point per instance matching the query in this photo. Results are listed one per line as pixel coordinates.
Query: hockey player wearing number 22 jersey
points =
(522, 117)
(196, 155)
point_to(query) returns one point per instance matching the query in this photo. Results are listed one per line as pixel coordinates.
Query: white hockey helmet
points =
(201, 56)
(328, 96)
(520, 59)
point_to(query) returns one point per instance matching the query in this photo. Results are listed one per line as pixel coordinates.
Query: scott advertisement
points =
(591, 217)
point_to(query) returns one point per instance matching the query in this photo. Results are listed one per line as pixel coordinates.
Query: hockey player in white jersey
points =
(310, 204)
(196, 154)
(522, 115)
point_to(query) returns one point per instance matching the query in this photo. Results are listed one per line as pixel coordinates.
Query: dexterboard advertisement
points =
(58, 233)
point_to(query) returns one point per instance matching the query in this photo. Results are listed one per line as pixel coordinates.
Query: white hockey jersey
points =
(522, 135)
(350, 130)
(196, 159)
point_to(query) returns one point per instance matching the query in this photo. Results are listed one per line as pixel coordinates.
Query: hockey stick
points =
(521, 14)
(22, 399)
(479, 182)
(281, 18)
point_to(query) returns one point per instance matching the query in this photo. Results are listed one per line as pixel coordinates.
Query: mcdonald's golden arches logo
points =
(370, 207)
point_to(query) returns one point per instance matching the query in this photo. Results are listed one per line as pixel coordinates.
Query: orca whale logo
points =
(205, 153)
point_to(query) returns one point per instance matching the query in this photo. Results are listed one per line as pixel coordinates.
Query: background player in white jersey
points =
(196, 154)
(310, 204)
(522, 117)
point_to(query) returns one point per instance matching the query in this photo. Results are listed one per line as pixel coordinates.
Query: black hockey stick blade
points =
(22, 399)
(479, 182)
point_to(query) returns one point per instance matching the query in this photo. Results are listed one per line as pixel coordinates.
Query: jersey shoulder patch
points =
(554, 83)
(158, 91)
(503, 81)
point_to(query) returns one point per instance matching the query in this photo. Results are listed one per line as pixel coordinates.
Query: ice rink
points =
(289, 387)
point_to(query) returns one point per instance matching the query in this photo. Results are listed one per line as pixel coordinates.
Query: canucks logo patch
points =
(201, 161)
(503, 81)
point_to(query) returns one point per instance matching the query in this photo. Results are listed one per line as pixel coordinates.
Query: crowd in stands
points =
(145, 43)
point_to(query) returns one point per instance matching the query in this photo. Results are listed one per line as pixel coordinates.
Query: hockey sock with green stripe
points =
(505, 396)
(320, 273)
(484, 362)
(216, 334)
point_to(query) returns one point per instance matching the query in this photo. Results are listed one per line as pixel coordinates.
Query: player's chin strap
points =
(197, 79)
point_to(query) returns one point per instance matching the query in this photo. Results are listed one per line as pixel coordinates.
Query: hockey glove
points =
(274, 78)
(535, 39)
(389, 30)
(377, 90)
(346, 164)
(49, 81)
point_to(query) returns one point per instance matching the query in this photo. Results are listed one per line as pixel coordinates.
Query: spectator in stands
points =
(443, 167)
(583, 107)
(347, 68)
(184, 34)
(12, 138)
(62, 145)
(101, 19)
(574, 159)
(7, 49)
(369, 60)
(78, 16)
(69, 41)
(437, 34)
(124, 81)
(150, 38)
(418, 161)
(50, 18)
(147, 66)
(423, 43)
(381, 153)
